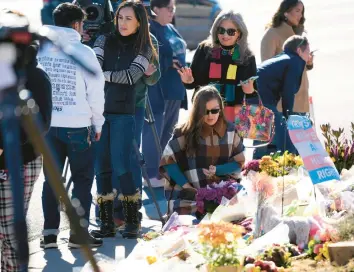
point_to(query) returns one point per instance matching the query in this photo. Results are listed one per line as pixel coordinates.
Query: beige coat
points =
(271, 45)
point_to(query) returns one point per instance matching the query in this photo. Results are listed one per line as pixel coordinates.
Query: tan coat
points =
(271, 45)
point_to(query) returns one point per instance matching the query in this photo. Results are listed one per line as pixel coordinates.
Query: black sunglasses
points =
(230, 31)
(212, 111)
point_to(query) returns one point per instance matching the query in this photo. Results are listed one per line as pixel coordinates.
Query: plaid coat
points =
(218, 145)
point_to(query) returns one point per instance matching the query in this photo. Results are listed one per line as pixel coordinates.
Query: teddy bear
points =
(300, 228)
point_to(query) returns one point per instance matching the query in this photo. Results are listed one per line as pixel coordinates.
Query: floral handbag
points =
(254, 121)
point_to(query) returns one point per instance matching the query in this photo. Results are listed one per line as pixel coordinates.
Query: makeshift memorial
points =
(340, 148)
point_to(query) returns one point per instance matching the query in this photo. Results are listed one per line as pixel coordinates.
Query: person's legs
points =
(80, 155)
(172, 108)
(122, 137)
(135, 166)
(50, 204)
(149, 148)
(31, 172)
(104, 173)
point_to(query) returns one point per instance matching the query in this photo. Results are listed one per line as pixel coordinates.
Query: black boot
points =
(107, 228)
(132, 215)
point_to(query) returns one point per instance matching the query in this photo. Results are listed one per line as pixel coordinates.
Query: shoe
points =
(155, 182)
(92, 242)
(107, 227)
(131, 215)
(48, 241)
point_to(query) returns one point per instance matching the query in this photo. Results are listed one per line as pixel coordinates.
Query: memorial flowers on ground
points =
(339, 146)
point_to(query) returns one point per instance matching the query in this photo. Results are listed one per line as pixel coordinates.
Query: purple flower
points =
(200, 206)
(211, 194)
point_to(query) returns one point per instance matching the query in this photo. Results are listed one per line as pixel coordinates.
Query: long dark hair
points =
(143, 40)
(279, 17)
(192, 128)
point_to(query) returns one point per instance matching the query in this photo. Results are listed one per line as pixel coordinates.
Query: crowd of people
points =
(95, 121)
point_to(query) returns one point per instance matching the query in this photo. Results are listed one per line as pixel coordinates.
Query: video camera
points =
(99, 18)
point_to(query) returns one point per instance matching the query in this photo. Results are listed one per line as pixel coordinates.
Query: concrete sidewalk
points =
(66, 259)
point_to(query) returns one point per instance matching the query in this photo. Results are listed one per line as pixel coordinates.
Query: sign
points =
(316, 159)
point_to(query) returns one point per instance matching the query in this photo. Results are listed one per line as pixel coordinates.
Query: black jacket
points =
(38, 83)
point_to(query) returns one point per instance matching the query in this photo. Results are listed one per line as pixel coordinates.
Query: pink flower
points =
(317, 248)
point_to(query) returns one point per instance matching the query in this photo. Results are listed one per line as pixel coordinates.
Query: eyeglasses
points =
(230, 31)
(171, 9)
(212, 111)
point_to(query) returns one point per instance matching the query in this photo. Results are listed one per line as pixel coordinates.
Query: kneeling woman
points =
(204, 150)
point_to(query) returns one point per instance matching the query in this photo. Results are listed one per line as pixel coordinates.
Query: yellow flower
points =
(333, 159)
(151, 259)
(298, 161)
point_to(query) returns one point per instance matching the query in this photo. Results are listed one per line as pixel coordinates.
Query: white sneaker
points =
(155, 182)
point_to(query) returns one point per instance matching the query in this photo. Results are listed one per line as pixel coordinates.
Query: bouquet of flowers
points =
(210, 197)
(339, 148)
(274, 165)
(220, 243)
(264, 187)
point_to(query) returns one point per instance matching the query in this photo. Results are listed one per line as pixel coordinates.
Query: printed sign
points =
(316, 159)
(62, 73)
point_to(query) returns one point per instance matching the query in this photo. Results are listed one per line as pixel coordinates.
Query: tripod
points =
(16, 104)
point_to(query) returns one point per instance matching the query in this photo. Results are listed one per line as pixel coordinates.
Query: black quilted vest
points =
(119, 98)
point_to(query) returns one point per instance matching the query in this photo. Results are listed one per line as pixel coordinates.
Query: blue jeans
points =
(113, 154)
(165, 124)
(75, 144)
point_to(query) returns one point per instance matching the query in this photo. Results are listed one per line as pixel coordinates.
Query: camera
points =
(99, 17)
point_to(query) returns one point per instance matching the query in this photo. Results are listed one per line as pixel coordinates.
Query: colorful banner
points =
(316, 159)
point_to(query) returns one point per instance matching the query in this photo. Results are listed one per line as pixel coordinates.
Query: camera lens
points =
(92, 13)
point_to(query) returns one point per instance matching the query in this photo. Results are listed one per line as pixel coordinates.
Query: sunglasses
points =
(212, 111)
(230, 31)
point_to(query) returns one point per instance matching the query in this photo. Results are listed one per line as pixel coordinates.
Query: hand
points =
(186, 75)
(98, 136)
(212, 169)
(1, 151)
(176, 64)
(85, 37)
(247, 86)
(310, 60)
(150, 70)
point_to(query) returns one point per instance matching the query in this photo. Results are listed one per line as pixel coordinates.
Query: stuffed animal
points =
(300, 228)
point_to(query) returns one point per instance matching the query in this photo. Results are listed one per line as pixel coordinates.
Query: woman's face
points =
(212, 112)
(228, 33)
(295, 14)
(165, 15)
(127, 22)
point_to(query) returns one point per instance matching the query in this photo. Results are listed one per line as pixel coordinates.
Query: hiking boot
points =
(107, 227)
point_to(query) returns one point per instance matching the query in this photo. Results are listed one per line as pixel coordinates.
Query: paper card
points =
(215, 70)
(231, 72)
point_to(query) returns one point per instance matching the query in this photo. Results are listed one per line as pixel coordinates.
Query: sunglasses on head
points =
(212, 111)
(230, 31)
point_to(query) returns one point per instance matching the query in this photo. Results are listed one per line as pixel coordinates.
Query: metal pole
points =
(146, 177)
(151, 121)
(33, 129)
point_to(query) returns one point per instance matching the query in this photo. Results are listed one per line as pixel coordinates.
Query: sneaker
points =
(49, 241)
(155, 182)
(93, 242)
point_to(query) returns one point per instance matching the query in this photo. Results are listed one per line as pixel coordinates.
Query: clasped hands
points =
(209, 173)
